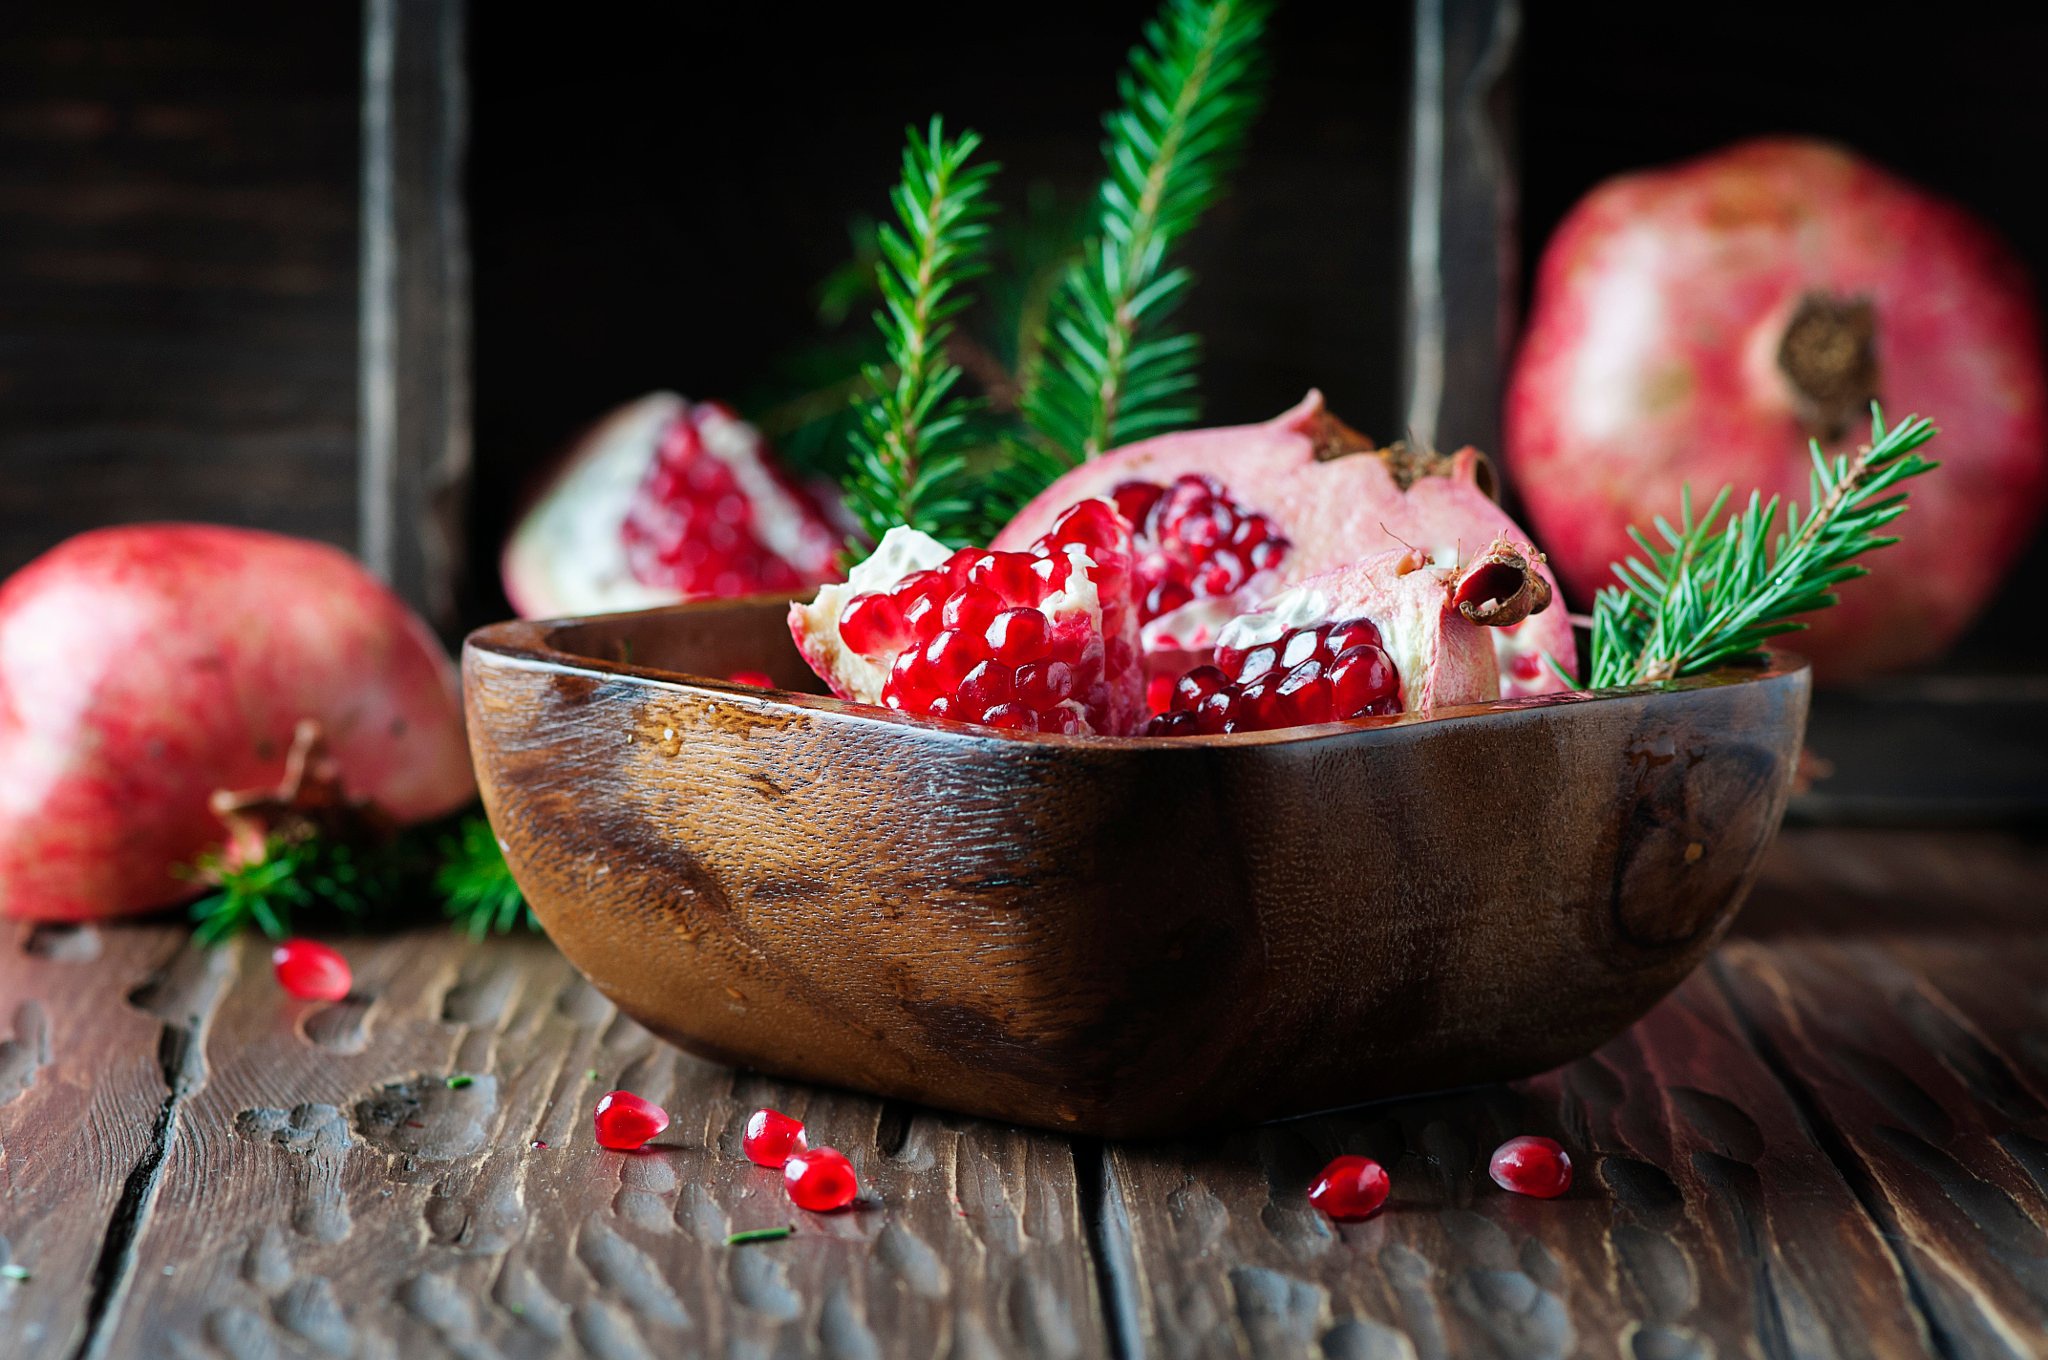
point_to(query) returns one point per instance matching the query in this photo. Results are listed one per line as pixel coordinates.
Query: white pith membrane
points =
(1198, 625)
(902, 552)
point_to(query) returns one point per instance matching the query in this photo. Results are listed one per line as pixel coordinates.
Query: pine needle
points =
(477, 889)
(1108, 372)
(1715, 592)
(914, 428)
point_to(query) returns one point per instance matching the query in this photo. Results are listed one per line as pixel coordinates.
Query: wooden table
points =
(1832, 1140)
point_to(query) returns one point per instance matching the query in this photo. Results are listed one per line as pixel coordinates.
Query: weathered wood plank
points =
(327, 1192)
(1924, 1060)
(97, 1031)
(1704, 1220)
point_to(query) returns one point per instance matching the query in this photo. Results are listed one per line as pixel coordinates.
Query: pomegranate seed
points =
(1045, 684)
(1360, 679)
(1198, 684)
(1134, 500)
(951, 655)
(1216, 713)
(1065, 721)
(1526, 666)
(820, 1180)
(872, 624)
(1268, 554)
(1303, 695)
(1017, 636)
(1096, 526)
(1342, 637)
(624, 1121)
(1011, 715)
(1532, 1165)
(1166, 597)
(771, 1137)
(921, 618)
(987, 685)
(969, 610)
(1179, 723)
(1009, 575)
(753, 679)
(1257, 662)
(311, 971)
(1350, 1188)
(1159, 693)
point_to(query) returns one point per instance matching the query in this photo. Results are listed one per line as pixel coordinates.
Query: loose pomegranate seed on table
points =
(1350, 1188)
(625, 1121)
(820, 1180)
(771, 1137)
(1532, 1165)
(311, 971)
(1324, 673)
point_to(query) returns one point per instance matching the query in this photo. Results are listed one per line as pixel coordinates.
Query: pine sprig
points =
(1716, 592)
(914, 429)
(1109, 373)
(476, 886)
(317, 882)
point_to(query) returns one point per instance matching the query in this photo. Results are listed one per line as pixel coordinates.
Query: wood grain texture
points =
(177, 267)
(1118, 937)
(327, 1192)
(99, 1039)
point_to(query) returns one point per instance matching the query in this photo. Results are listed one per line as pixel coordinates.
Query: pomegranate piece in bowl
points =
(1224, 518)
(1115, 935)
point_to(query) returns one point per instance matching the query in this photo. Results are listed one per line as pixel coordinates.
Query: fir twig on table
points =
(1108, 372)
(1716, 592)
(914, 428)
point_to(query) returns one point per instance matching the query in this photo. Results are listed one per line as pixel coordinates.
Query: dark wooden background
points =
(654, 198)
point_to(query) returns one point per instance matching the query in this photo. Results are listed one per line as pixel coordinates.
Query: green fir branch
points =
(914, 428)
(1715, 593)
(1109, 372)
(476, 885)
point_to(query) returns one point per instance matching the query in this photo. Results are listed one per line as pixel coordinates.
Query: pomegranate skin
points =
(1651, 359)
(1336, 502)
(144, 667)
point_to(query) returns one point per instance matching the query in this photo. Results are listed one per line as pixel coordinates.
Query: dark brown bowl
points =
(1115, 936)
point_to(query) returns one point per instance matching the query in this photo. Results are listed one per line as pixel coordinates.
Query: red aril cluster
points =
(1325, 672)
(625, 1121)
(820, 1180)
(1532, 1165)
(1023, 640)
(715, 517)
(311, 971)
(1350, 1188)
(772, 1137)
(1193, 541)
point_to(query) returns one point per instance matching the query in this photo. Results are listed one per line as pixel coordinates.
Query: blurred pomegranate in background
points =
(144, 667)
(1696, 324)
(666, 500)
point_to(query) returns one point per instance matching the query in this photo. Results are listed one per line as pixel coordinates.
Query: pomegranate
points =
(1697, 323)
(1038, 640)
(143, 668)
(1224, 517)
(1390, 634)
(1351, 1188)
(666, 500)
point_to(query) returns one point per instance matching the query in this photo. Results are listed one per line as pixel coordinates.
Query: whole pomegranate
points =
(1225, 517)
(1696, 324)
(144, 667)
(666, 500)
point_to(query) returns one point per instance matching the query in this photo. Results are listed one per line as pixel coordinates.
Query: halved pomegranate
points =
(1224, 517)
(666, 500)
(1043, 640)
(1390, 634)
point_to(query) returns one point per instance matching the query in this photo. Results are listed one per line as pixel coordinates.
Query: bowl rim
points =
(532, 644)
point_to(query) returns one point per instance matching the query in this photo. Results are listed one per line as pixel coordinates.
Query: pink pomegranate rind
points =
(661, 501)
(1652, 359)
(144, 667)
(1335, 500)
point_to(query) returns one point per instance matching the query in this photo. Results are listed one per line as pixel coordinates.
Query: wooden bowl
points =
(1112, 936)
